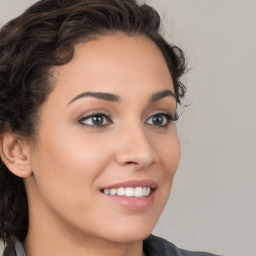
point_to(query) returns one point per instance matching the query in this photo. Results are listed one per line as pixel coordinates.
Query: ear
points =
(15, 154)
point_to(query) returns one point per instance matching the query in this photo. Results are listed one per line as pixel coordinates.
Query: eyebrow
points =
(115, 98)
(160, 95)
(98, 95)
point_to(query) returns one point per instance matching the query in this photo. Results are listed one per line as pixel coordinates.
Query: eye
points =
(95, 120)
(161, 119)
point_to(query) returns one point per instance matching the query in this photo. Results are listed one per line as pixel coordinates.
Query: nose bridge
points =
(135, 147)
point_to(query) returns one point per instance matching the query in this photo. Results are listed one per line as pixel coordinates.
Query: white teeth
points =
(107, 191)
(112, 191)
(129, 191)
(138, 192)
(120, 192)
(147, 191)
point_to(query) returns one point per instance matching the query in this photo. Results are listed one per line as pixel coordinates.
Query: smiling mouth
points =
(133, 195)
(128, 191)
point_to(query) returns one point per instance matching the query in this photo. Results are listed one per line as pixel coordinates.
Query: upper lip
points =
(134, 183)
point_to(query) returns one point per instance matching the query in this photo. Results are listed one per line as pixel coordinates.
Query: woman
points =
(89, 147)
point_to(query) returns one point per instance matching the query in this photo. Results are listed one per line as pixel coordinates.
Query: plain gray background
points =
(213, 202)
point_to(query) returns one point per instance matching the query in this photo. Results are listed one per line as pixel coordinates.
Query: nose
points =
(134, 148)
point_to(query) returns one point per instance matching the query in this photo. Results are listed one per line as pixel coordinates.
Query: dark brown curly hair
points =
(42, 37)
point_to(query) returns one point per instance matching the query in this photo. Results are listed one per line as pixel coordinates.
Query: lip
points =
(132, 203)
(133, 183)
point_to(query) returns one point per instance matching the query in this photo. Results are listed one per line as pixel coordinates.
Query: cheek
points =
(172, 156)
(170, 153)
(66, 168)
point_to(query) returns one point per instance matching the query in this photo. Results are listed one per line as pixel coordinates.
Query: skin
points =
(73, 161)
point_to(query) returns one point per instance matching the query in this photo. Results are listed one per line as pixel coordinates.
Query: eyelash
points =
(98, 114)
(169, 118)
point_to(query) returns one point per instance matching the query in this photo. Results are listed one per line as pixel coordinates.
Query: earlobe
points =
(15, 154)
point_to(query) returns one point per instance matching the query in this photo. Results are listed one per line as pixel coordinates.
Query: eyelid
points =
(91, 114)
(170, 118)
(175, 116)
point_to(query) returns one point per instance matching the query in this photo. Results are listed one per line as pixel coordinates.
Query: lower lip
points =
(133, 203)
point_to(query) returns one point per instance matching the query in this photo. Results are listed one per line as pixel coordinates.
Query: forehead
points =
(114, 63)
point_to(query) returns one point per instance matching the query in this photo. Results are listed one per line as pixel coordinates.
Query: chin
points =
(131, 233)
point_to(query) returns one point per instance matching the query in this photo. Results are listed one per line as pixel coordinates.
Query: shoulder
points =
(14, 248)
(156, 246)
(9, 250)
(152, 246)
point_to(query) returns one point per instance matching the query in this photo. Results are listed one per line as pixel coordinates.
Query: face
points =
(107, 146)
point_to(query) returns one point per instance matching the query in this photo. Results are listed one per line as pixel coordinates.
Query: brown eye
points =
(158, 120)
(161, 120)
(96, 120)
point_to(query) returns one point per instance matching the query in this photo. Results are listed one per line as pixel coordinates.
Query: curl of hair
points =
(42, 37)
